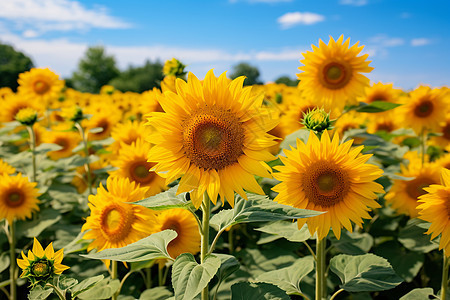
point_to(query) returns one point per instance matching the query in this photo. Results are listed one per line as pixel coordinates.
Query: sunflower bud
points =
(73, 113)
(317, 120)
(174, 67)
(27, 116)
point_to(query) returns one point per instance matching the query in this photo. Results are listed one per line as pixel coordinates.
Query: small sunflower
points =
(184, 223)
(127, 133)
(403, 194)
(386, 121)
(133, 164)
(105, 121)
(41, 265)
(425, 109)
(6, 169)
(68, 140)
(381, 92)
(332, 73)
(350, 120)
(41, 85)
(18, 197)
(114, 223)
(331, 177)
(12, 104)
(27, 116)
(213, 135)
(434, 207)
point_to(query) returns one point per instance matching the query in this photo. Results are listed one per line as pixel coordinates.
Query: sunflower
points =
(68, 140)
(133, 164)
(41, 85)
(403, 194)
(214, 135)
(386, 121)
(113, 223)
(381, 92)
(5, 91)
(332, 73)
(104, 120)
(291, 120)
(127, 133)
(150, 102)
(424, 109)
(327, 176)
(168, 84)
(18, 197)
(350, 120)
(443, 140)
(184, 223)
(6, 169)
(12, 104)
(444, 161)
(434, 207)
(41, 265)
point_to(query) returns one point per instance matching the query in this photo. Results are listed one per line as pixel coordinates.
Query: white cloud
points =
(378, 45)
(291, 19)
(39, 16)
(420, 42)
(354, 2)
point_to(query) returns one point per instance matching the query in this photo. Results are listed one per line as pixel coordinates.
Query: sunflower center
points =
(41, 87)
(104, 124)
(62, 142)
(325, 184)
(336, 75)
(377, 97)
(446, 131)
(40, 268)
(140, 173)
(388, 127)
(414, 187)
(14, 199)
(213, 138)
(424, 109)
(116, 221)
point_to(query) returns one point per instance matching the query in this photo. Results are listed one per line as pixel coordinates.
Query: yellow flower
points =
(12, 104)
(350, 120)
(127, 133)
(381, 92)
(330, 177)
(174, 67)
(80, 179)
(41, 85)
(443, 140)
(104, 121)
(332, 73)
(18, 197)
(113, 223)
(214, 135)
(5, 168)
(434, 207)
(133, 164)
(27, 116)
(68, 140)
(184, 223)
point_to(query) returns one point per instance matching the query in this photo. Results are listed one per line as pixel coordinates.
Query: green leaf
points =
(151, 247)
(229, 264)
(39, 293)
(291, 139)
(46, 218)
(413, 236)
(104, 289)
(96, 130)
(85, 285)
(376, 106)
(189, 278)
(45, 147)
(353, 243)
(4, 261)
(289, 278)
(157, 293)
(258, 261)
(364, 273)
(166, 200)
(257, 209)
(420, 294)
(257, 291)
(288, 230)
(65, 283)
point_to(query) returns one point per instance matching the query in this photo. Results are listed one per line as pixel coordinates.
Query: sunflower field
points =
(337, 188)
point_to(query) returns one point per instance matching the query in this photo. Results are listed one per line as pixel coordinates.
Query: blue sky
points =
(407, 41)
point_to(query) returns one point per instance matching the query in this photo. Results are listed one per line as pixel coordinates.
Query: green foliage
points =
(157, 293)
(85, 285)
(257, 291)
(40, 293)
(413, 236)
(420, 294)
(103, 289)
(247, 70)
(287, 81)
(139, 79)
(12, 63)
(95, 70)
(166, 200)
(288, 230)
(376, 106)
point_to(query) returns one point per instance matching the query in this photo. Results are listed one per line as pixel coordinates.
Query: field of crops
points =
(337, 188)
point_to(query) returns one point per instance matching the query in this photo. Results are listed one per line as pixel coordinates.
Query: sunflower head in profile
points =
(5, 168)
(184, 223)
(434, 207)
(332, 73)
(18, 197)
(40, 265)
(41, 85)
(133, 164)
(424, 109)
(404, 194)
(114, 223)
(214, 135)
(324, 175)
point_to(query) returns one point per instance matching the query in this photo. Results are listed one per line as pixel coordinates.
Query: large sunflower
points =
(133, 164)
(332, 73)
(113, 223)
(184, 223)
(214, 135)
(41, 85)
(434, 207)
(18, 197)
(327, 176)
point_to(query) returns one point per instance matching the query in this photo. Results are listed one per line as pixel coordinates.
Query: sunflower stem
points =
(205, 237)
(12, 259)
(160, 276)
(114, 276)
(230, 240)
(57, 291)
(320, 269)
(444, 284)
(148, 278)
(86, 153)
(33, 151)
(337, 293)
(310, 250)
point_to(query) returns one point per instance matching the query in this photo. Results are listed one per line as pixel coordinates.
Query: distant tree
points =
(95, 70)
(245, 69)
(287, 81)
(139, 79)
(12, 63)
